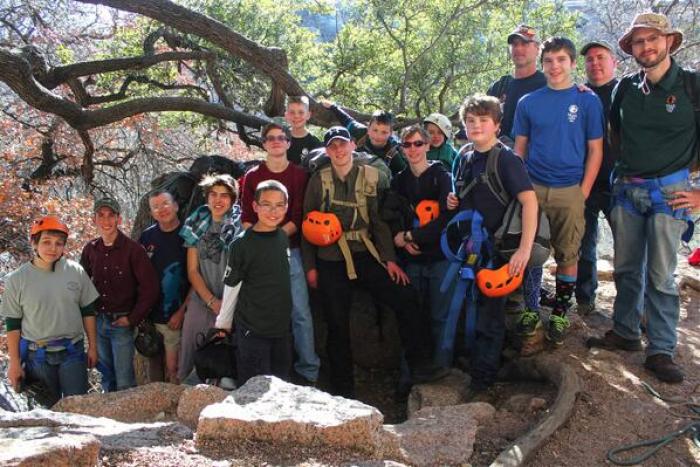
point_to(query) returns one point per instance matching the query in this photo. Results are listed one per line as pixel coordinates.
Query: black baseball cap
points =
(336, 132)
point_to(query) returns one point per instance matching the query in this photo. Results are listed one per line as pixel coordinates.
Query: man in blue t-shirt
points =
(559, 132)
(165, 249)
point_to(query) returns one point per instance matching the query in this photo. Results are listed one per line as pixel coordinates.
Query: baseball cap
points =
(336, 132)
(591, 44)
(524, 32)
(107, 202)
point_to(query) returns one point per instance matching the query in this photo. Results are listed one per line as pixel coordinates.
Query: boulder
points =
(43, 437)
(447, 391)
(436, 435)
(268, 410)
(41, 446)
(147, 403)
(194, 399)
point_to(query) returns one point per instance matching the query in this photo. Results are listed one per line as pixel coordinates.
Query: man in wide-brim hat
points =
(653, 120)
(654, 21)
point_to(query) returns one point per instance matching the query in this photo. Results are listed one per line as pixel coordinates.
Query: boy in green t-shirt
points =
(257, 291)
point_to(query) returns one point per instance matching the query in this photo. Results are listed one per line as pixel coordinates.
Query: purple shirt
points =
(123, 275)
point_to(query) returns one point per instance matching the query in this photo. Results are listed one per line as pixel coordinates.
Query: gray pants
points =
(198, 318)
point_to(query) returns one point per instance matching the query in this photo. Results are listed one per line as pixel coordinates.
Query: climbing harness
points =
(465, 262)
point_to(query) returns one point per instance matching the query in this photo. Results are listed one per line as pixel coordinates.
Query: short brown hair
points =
(303, 100)
(278, 126)
(481, 104)
(555, 44)
(270, 185)
(415, 130)
(225, 180)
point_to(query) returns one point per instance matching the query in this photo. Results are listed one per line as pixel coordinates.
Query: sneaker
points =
(227, 384)
(527, 322)
(611, 341)
(585, 309)
(556, 329)
(664, 368)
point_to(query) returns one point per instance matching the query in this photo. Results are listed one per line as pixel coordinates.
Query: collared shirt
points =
(658, 135)
(345, 191)
(123, 275)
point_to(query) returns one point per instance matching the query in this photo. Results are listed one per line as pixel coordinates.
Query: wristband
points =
(211, 300)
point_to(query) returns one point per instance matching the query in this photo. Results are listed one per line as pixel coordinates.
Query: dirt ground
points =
(613, 409)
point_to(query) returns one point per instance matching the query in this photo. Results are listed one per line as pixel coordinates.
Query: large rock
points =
(154, 401)
(436, 435)
(194, 399)
(41, 446)
(43, 437)
(268, 409)
(447, 391)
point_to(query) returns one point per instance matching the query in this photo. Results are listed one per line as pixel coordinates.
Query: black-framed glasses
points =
(408, 144)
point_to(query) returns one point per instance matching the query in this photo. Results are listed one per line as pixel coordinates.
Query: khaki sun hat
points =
(652, 21)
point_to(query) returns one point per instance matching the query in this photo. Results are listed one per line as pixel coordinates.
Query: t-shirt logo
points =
(73, 286)
(150, 250)
(573, 113)
(670, 103)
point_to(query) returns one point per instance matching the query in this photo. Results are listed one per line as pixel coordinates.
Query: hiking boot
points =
(585, 309)
(664, 368)
(556, 329)
(527, 322)
(429, 374)
(611, 341)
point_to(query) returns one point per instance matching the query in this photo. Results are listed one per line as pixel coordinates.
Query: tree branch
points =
(61, 74)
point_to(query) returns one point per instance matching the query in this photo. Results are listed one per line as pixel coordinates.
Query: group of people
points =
(375, 211)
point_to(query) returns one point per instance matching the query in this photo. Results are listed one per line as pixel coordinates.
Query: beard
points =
(650, 62)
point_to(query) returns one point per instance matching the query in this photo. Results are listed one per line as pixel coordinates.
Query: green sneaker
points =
(556, 330)
(527, 322)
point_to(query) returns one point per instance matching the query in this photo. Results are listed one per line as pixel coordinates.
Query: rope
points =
(692, 430)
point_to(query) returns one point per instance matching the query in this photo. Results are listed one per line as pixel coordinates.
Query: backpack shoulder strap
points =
(614, 114)
(327, 188)
(493, 178)
(691, 84)
(365, 186)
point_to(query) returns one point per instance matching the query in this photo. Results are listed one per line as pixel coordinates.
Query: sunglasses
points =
(408, 144)
(272, 138)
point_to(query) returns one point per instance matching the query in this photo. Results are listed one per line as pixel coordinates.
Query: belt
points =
(670, 179)
(54, 345)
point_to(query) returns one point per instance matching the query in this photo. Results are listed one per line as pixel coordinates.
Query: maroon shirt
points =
(293, 178)
(123, 275)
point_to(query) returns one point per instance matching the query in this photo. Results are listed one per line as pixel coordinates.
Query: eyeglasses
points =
(408, 144)
(272, 207)
(165, 205)
(272, 138)
(650, 39)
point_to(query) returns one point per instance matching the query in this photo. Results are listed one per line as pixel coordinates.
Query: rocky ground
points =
(613, 408)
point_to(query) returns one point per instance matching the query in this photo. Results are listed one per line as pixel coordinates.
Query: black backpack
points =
(507, 236)
(215, 356)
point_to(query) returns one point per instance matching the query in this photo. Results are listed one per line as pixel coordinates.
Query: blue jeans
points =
(308, 363)
(63, 374)
(587, 280)
(659, 234)
(115, 348)
(427, 278)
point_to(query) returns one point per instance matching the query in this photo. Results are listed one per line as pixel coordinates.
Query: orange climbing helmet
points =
(46, 223)
(427, 210)
(321, 228)
(498, 282)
